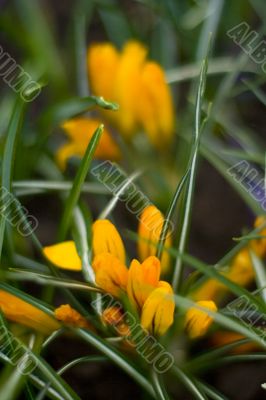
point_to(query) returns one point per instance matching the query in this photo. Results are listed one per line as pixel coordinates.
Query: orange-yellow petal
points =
(149, 231)
(102, 61)
(80, 131)
(110, 273)
(106, 239)
(127, 86)
(155, 105)
(197, 321)
(158, 310)
(64, 255)
(259, 245)
(114, 316)
(68, 315)
(21, 312)
(142, 280)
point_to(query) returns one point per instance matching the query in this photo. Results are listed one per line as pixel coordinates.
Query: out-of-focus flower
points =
(240, 271)
(63, 255)
(113, 316)
(149, 231)
(222, 338)
(106, 239)
(137, 85)
(197, 321)
(69, 316)
(259, 245)
(21, 312)
(110, 273)
(158, 310)
(80, 131)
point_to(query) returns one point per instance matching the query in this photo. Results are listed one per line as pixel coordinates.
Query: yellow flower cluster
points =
(150, 297)
(139, 88)
(241, 270)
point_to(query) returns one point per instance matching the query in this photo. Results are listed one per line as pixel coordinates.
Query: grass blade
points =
(78, 182)
(178, 271)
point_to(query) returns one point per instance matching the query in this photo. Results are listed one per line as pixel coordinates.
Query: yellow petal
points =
(114, 316)
(158, 311)
(240, 272)
(64, 255)
(142, 280)
(80, 131)
(21, 312)
(149, 231)
(155, 106)
(68, 315)
(106, 239)
(102, 62)
(127, 86)
(110, 273)
(259, 245)
(197, 322)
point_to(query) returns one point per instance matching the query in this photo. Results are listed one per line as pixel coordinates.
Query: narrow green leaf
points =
(116, 357)
(170, 212)
(260, 273)
(78, 182)
(178, 270)
(9, 156)
(189, 384)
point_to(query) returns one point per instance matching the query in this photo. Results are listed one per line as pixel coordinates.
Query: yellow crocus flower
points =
(21, 312)
(110, 273)
(197, 321)
(137, 85)
(106, 239)
(158, 310)
(149, 231)
(80, 131)
(142, 280)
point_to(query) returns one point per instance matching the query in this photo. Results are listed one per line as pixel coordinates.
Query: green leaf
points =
(189, 383)
(116, 357)
(185, 221)
(78, 182)
(9, 156)
(73, 107)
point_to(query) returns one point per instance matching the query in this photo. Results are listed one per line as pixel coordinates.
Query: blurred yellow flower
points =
(149, 231)
(113, 316)
(197, 321)
(21, 312)
(137, 85)
(69, 316)
(259, 245)
(80, 131)
(240, 271)
(106, 239)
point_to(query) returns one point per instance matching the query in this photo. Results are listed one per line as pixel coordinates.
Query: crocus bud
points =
(150, 227)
